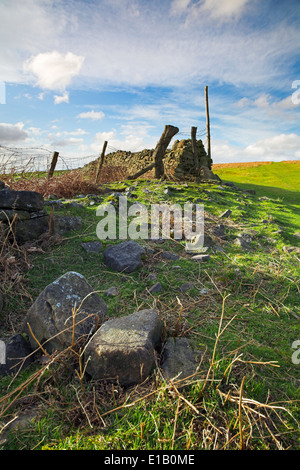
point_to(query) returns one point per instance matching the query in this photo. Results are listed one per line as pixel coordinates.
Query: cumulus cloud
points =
(10, 133)
(94, 115)
(53, 70)
(275, 148)
(61, 99)
(135, 138)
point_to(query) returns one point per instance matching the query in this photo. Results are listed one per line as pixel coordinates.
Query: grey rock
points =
(18, 356)
(122, 349)
(178, 359)
(169, 255)
(247, 237)
(65, 224)
(55, 204)
(32, 229)
(155, 288)
(186, 286)
(8, 215)
(124, 257)
(91, 247)
(152, 277)
(242, 243)
(21, 200)
(50, 316)
(112, 291)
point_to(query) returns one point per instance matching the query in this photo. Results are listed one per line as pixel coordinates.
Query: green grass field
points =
(277, 179)
(241, 314)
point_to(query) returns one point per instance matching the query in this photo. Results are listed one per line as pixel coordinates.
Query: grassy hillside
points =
(274, 179)
(240, 311)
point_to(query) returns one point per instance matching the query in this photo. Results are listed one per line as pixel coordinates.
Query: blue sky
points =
(74, 73)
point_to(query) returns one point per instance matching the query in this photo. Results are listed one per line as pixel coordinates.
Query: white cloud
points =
(135, 138)
(94, 115)
(282, 109)
(10, 133)
(225, 9)
(66, 142)
(53, 70)
(137, 43)
(61, 99)
(179, 6)
(276, 148)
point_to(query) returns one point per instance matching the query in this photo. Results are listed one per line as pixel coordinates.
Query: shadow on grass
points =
(286, 195)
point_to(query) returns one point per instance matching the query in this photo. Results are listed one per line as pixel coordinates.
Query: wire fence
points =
(37, 160)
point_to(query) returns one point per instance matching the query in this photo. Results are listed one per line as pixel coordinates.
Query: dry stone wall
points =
(178, 161)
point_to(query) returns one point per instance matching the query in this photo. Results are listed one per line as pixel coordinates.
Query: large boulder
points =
(123, 348)
(51, 319)
(124, 257)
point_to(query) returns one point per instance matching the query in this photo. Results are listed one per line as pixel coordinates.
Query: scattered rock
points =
(247, 237)
(55, 204)
(91, 247)
(242, 243)
(17, 349)
(112, 292)
(186, 286)
(66, 223)
(152, 277)
(169, 255)
(155, 288)
(50, 316)
(178, 359)
(122, 349)
(124, 257)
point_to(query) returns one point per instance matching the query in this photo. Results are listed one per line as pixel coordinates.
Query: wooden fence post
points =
(207, 127)
(161, 147)
(53, 164)
(101, 161)
(194, 147)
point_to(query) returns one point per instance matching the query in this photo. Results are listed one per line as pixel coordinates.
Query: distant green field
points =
(278, 179)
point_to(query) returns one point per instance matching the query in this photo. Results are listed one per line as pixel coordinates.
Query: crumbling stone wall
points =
(178, 161)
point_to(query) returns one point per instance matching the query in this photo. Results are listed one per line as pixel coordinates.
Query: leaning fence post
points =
(101, 160)
(53, 164)
(194, 147)
(161, 147)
